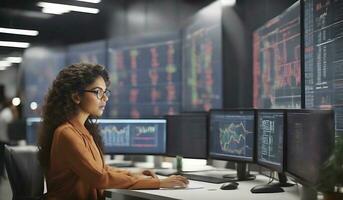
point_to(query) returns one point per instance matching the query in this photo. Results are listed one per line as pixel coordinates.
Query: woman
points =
(70, 144)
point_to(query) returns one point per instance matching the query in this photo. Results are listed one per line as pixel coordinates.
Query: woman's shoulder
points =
(64, 129)
(67, 134)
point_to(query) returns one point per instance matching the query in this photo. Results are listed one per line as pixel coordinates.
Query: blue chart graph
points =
(232, 138)
(116, 135)
(133, 136)
(232, 135)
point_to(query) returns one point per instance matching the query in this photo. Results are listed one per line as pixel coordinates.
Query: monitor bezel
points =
(281, 168)
(295, 176)
(136, 153)
(189, 114)
(228, 158)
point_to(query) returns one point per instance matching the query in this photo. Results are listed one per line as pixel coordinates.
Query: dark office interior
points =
(239, 96)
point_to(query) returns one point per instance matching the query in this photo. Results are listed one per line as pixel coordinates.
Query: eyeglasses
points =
(99, 93)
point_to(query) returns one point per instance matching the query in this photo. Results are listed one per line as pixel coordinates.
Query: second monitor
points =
(187, 135)
(232, 138)
(270, 148)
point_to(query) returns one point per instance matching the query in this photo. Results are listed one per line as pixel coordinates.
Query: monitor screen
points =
(145, 76)
(32, 127)
(232, 135)
(310, 140)
(323, 44)
(133, 136)
(202, 60)
(270, 139)
(276, 61)
(185, 129)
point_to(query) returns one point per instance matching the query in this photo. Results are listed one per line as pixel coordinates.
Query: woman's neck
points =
(81, 117)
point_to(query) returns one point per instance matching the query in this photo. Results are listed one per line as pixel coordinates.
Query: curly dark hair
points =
(59, 106)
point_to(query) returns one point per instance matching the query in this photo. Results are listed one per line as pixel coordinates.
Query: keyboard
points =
(204, 176)
(209, 179)
(114, 163)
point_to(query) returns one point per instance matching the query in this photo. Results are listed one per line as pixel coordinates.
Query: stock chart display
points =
(92, 52)
(133, 136)
(146, 77)
(40, 67)
(276, 61)
(270, 132)
(324, 56)
(232, 135)
(202, 60)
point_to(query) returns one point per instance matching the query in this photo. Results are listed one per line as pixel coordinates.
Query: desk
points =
(209, 192)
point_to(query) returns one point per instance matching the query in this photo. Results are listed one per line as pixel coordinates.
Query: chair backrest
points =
(24, 172)
(16, 130)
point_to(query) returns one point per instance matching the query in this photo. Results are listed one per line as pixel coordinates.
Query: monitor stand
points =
(269, 188)
(242, 174)
(283, 181)
(273, 187)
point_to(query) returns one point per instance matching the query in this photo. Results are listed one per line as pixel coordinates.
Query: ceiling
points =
(69, 28)
(53, 29)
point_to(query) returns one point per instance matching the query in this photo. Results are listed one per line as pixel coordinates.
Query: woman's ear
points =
(76, 98)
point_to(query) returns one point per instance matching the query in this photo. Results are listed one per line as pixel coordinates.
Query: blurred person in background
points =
(7, 115)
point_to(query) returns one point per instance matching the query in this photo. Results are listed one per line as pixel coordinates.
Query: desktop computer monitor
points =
(133, 136)
(232, 135)
(187, 135)
(270, 148)
(271, 139)
(32, 128)
(310, 141)
(232, 138)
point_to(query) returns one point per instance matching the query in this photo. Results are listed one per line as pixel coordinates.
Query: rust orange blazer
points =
(77, 169)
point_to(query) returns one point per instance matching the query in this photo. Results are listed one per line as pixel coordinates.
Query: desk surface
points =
(209, 191)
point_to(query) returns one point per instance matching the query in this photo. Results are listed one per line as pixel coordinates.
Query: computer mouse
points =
(229, 186)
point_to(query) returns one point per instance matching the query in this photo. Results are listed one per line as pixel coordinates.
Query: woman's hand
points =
(174, 181)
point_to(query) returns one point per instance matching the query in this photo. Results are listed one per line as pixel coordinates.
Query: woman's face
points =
(90, 103)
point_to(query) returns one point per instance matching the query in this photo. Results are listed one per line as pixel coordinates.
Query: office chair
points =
(24, 172)
(16, 130)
